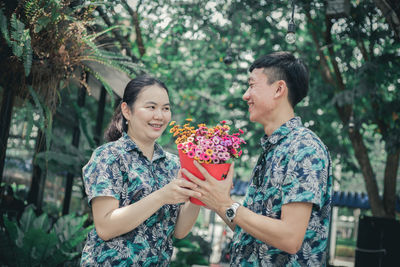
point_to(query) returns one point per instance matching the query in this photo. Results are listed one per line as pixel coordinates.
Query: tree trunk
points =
(389, 193)
(5, 122)
(361, 153)
(35, 195)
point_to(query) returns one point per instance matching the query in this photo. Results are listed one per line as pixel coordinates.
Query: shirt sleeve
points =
(307, 174)
(102, 175)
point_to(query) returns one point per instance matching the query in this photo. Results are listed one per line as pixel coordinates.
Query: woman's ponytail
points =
(116, 126)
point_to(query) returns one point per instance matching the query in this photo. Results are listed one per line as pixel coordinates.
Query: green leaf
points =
(27, 219)
(42, 222)
(4, 27)
(41, 24)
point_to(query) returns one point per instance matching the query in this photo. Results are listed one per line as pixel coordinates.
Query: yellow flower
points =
(189, 119)
(172, 123)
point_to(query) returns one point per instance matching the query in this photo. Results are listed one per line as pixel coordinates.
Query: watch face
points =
(229, 213)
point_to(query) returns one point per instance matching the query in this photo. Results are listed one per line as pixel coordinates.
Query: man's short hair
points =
(285, 66)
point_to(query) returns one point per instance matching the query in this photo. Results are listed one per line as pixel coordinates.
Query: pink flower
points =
(198, 152)
(190, 154)
(180, 146)
(216, 161)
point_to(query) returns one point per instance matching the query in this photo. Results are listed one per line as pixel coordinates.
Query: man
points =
(284, 220)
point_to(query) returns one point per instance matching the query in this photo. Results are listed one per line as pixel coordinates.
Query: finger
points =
(231, 172)
(189, 193)
(202, 170)
(185, 183)
(193, 178)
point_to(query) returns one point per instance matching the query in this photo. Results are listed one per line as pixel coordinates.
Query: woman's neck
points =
(147, 148)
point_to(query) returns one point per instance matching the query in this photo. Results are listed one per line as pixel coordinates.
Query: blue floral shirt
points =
(120, 170)
(295, 166)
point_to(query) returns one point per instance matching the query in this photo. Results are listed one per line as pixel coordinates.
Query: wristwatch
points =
(230, 212)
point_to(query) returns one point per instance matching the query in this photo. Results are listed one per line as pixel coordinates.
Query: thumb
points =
(231, 172)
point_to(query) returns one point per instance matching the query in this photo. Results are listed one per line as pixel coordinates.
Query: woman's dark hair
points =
(284, 66)
(118, 122)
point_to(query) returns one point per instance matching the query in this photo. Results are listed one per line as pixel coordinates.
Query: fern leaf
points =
(4, 26)
(27, 55)
(95, 35)
(49, 127)
(83, 123)
(38, 105)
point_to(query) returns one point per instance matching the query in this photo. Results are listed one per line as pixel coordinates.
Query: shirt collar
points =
(281, 132)
(128, 144)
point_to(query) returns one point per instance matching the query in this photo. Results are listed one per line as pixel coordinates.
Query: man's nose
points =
(246, 95)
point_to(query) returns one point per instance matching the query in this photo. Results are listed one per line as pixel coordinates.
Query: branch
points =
(124, 43)
(325, 71)
(135, 20)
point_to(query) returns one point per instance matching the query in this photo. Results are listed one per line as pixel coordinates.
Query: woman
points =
(131, 186)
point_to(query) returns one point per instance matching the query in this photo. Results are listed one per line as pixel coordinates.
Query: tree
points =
(40, 68)
(353, 61)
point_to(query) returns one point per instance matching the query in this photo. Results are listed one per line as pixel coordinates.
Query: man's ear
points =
(281, 89)
(126, 111)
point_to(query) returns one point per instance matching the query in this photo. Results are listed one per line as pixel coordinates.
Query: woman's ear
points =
(126, 111)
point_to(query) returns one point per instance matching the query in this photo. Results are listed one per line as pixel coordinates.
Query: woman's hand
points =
(178, 190)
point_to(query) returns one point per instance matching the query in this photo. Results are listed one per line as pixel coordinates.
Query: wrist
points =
(223, 207)
(159, 197)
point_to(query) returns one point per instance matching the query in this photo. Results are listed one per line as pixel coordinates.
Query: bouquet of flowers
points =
(212, 147)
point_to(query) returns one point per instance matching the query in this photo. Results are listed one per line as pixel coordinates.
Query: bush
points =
(191, 250)
(34, 241)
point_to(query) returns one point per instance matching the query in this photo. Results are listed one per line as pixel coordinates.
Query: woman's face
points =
(150, 114)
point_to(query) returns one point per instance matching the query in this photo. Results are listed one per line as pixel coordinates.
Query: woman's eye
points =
(166, 108)
(151, 107)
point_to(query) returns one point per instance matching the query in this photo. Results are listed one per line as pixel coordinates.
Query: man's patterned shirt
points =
(295, 166)
(120, 170)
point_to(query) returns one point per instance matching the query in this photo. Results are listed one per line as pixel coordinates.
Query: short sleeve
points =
(102, 175)
(307, 175)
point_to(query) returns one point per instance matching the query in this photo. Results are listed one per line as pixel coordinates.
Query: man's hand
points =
(214, 193)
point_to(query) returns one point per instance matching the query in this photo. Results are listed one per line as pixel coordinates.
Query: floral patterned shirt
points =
(120, 170)
(295, 166)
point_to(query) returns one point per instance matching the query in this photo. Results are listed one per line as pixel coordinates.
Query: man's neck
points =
(277, 121)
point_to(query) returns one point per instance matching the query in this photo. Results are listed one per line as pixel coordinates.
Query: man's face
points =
(260, 96)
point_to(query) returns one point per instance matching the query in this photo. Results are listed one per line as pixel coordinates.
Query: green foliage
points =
(191, 250)
(18, 39)
(34, 241)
